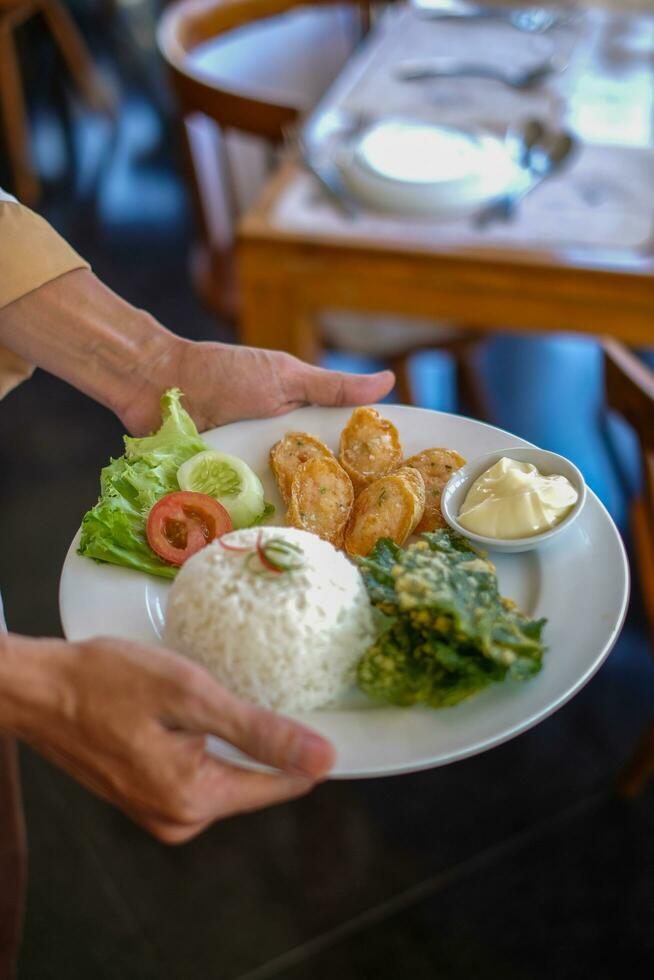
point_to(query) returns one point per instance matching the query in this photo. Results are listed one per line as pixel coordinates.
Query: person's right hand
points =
(129, 723)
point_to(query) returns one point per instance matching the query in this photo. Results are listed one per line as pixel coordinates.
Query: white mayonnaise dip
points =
(514, 500)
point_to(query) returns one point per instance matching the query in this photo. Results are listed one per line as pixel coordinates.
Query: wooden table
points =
(291, 269)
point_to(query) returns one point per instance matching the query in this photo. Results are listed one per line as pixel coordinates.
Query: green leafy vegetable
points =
(114, 530)
(268, 511)
(450, 632)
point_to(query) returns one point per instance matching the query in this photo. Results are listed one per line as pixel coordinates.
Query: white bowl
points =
(417, 168)
(547, 463)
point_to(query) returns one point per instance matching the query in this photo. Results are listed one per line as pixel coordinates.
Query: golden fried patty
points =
(389, 508)
(370, 447)
(287, 454)
(321, 499)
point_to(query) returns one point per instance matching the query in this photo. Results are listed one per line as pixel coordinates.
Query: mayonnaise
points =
(514, 500)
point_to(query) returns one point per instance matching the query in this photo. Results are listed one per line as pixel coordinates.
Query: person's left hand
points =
(224, 383)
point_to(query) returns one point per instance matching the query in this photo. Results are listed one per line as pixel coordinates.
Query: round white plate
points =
(416, 167)
(580, 582)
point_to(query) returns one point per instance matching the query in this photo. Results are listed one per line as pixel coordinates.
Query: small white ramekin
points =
(547, 463)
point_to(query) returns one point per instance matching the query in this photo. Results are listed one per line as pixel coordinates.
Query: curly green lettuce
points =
(114, 530)
(449, 631)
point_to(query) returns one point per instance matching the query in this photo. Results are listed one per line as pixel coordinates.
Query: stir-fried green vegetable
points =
(450, 632)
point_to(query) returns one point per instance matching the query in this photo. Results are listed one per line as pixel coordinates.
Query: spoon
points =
(328, 179)
(529, 20)
(417, 71)
(546, 158)
(524, 138)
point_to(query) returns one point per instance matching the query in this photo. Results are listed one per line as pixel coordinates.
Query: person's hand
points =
(129, 723)
(77, 329)
(224, 383)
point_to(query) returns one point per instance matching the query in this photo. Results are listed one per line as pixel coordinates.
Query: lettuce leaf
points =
(268, 511)
(114, 530)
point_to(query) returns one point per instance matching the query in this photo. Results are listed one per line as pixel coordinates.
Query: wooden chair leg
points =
(13, 860)
(640, 769)
(468, 383)
(638, 772)
(642, 533)
(13, 118)
(403, 385)
(83, 72)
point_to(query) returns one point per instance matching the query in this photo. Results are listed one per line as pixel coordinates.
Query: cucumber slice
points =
(229, 480)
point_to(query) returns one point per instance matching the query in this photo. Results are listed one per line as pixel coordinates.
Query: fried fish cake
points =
(389, 508)
(370, 447)
(287, 454)
(321, 499)
(436, 466)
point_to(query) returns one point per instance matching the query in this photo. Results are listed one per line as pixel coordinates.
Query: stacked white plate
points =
(420, 168)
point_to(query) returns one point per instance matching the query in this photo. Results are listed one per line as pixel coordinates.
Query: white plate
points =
(580, 582)
(422, 168)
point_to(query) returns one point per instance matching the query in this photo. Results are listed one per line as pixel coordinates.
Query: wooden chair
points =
(13, 114)
(13, 853)
(630, 392)
(213, 108)
(13, 857)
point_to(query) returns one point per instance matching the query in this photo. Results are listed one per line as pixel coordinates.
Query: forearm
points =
(31, 683)
(81, 331)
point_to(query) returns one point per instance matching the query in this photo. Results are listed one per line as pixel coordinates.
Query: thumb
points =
(260, 733)
(323, 387)
(280, 742)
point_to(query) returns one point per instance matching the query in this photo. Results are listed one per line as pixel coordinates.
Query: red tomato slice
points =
(182, 523)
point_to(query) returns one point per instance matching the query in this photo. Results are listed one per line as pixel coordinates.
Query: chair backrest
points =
(188, 24)
(629, 385)
(243, 72)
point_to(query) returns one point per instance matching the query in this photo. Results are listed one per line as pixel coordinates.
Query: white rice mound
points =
(289, 641)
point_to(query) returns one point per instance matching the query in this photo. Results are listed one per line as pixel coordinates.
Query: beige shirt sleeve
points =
(31, 254)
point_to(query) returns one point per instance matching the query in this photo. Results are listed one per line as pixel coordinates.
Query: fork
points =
(445, 67)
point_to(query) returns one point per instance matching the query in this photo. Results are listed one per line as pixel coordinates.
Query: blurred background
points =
(533, 860)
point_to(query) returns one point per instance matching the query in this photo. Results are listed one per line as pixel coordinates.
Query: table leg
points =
(271, 317)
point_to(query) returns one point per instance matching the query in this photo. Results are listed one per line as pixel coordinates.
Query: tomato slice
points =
(183, 522)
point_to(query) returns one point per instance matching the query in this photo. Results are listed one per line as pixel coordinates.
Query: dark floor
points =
(517, 864)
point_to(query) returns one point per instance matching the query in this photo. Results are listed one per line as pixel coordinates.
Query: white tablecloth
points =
(606, 197)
